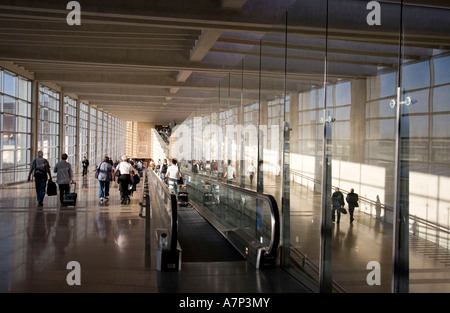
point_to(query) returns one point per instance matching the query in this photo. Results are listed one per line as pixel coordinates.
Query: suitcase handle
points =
(74, 187)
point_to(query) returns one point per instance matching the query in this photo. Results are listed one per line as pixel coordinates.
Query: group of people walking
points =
(40, 168)
(126, 177)
(105, 173)
(337, 202)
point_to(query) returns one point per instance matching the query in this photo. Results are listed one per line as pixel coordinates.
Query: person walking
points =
(173, 175)
(104, 170)
(352, 201)
(251, 172)
(126, 170)
(195, 167)
(64, 176)
(337, 200)
(164, 171)
(230, 172)
(85, 163)
(41, 169)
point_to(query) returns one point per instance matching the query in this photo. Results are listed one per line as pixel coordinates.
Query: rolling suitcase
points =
(70, 199)
(208, 199)
(183, 198)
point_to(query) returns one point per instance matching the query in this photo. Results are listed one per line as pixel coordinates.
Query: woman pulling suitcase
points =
(126, 171)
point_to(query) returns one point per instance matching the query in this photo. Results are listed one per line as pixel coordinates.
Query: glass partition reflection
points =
(362, 79)
(305, 68)
(316, 107)
(425, 146)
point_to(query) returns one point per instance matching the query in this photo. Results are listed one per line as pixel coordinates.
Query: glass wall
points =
(16, 107)
(100, 147)
(93, 137)
(337, 96)
(107, 134)
(48, 124)
(83, 133)
(15, 127)
(70, 129)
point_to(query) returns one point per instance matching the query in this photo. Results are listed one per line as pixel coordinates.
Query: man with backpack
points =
(41, 169)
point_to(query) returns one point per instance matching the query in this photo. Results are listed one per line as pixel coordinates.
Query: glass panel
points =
(24, 86)
(23, 109)
(362, 65)
(303, 170)
(441, 101)
(9, 124)
(9, 84)
(272, 98)
(441, 64)
(22, 157)
(22, 124)
(8, 159)
(425, 143)
(9, 105)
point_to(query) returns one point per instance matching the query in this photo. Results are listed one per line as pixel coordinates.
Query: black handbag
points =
(51, 188)
(343, 210)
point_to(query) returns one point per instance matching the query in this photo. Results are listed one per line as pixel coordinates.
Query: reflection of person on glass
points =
(173, 175)
(251, 172)
(378, 207)
(230, 172)
(337, 200)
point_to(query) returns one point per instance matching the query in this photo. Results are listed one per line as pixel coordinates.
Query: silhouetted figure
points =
(337, 200)
(352, 200)
(378, 207)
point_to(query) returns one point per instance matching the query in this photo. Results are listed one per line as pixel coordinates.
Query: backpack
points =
(39, 168)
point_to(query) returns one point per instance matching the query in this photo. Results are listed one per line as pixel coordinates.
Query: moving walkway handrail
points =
(271, 250)
(145, 196)
(173, 211)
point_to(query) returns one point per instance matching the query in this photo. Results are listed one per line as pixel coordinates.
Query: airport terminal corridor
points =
(271, 114)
